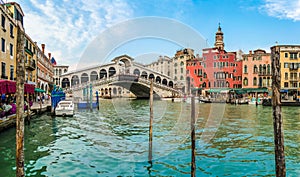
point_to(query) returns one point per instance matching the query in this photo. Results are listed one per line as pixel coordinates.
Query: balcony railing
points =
(30, 64)
(264, 74)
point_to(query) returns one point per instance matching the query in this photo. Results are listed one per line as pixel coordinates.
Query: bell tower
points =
(219, 39)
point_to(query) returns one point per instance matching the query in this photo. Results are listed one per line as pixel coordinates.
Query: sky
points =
(86, 32)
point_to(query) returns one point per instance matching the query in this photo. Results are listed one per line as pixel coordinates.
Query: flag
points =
(53, 61)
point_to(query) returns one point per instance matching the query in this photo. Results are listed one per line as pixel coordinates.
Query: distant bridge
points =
(113, 77)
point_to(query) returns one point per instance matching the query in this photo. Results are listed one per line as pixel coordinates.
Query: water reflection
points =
(114, 141)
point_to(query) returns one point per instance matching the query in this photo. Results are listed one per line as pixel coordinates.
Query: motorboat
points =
(64, 108)
(253, 101)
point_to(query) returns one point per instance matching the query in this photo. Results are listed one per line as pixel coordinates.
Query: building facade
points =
(217, 68)
(30, 61)
(289, 56)
(58, 71)
(8, 35)
(257, 69)
(44, 70)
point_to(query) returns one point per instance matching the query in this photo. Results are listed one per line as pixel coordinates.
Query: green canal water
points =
(232, 140)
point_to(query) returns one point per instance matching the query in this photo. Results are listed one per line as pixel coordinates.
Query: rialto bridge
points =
(122, 77)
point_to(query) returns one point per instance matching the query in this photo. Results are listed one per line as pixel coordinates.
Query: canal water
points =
(232, 140)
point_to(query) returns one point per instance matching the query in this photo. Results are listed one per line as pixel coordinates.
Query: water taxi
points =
(64, 108)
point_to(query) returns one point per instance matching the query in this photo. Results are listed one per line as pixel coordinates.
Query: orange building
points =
(257, 69)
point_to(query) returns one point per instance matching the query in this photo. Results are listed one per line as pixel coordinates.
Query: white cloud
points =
(66, 27)
(283, 9)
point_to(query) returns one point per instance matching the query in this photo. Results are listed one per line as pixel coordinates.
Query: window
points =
(11, 72)
(175, 71)
(3, 74)
(181, 77)
(3, 22)
(181, 63)
(215, 64)
(2, 45)
(245, 69)
(286, 84)
(254, 81)
(286, 65)
(11, 30)
(269, 69)
(286, 55)
(181, 70)
(11, 50)
(293, 55)
(286, 76)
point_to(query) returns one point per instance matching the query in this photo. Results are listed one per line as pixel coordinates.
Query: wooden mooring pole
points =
(193, 137)
(151, 122)
(20, 79)
(277, 118)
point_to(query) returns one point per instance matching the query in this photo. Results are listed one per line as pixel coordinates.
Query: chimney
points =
(43, 48)
(49, 54)
(250, 52)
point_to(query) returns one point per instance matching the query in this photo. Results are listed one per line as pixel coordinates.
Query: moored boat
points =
(64, 108)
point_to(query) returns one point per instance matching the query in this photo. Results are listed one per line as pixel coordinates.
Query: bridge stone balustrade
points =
(137, 85)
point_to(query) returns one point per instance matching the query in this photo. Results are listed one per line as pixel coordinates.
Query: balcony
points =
(30, 65)
(264, 74)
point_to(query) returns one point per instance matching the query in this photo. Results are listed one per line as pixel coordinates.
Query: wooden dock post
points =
(20, 79)
(151, 122)
(277, 118)
(193, 137)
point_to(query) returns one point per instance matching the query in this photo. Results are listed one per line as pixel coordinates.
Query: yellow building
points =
(8, 34)
(289, 57)
(30, 61)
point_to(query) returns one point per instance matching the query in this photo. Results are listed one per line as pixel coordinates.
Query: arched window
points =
(269, 69)
(245, 69)
(182, 63)
(264, 69)
(260, 68)
(245, 82)
(254, 81)
(255, 69)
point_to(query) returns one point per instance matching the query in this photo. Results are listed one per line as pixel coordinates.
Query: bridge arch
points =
(65, 82)
(93, 76)
(151, 76)
(171, 84)
(158, 79)
(75, 80)
(144, 74)
(164, 82)
(103, 73)
(111, 71)
(84, 77)
(136, 71)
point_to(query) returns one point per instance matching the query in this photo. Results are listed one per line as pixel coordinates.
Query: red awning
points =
(7, 87)
(3, 88)
(11, 86)
(29, 88)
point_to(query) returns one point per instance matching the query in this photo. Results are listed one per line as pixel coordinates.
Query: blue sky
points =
(68, 27)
